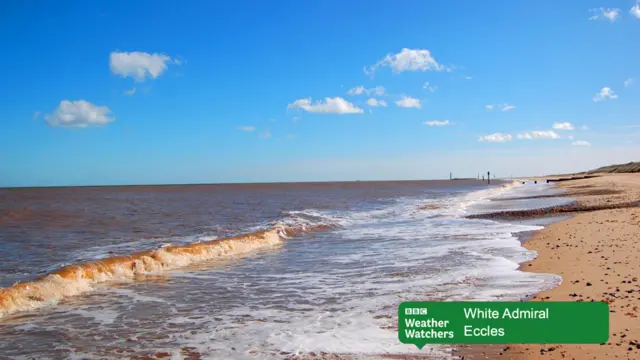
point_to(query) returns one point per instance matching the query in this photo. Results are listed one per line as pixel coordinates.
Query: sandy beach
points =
(597, 254)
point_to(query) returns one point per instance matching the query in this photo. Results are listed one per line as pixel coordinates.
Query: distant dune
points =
(632, 167)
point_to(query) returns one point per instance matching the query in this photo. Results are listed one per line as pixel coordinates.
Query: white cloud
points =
(563, 126)
(584, 127)
(429, 87)
(468, 77)
(628, 82)
(409, 102)
(139, 65)
(497, 137)
(376, 103)
(247, 128)
(539, 135)
(36, 115)
(408, 60)
(605, 93)
(130, 92)
(437, 123)
(611, 14)
(608, 13)
(336, 105)
(296, 118)
(570, 137)
(79, 113)
(635, 10)
(581, 143)
(359, 90)
(378, 90)
(265, 135)
(504, 107)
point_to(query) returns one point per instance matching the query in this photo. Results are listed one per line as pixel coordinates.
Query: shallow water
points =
(335, 290)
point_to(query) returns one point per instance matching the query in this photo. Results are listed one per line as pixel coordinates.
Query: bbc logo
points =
(415, 311)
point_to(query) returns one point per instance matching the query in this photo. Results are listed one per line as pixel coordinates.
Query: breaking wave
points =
(76, 279)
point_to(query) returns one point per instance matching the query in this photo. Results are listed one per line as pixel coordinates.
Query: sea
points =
(251, 271)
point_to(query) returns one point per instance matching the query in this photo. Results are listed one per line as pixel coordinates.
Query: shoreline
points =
(596, 254)
(592, 247)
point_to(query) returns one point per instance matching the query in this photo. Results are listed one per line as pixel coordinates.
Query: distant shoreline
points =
(250, 183)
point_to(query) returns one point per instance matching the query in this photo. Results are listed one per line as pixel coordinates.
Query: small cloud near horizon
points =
(336, 105)
(534, 135)
(437, 123)
(503, 107)
(409, 102)
(563, 126)
(497, 138)
(359, 90)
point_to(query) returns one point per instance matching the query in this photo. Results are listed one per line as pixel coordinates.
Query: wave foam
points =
(76, 279)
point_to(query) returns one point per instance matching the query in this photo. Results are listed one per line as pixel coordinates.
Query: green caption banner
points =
(422, 323)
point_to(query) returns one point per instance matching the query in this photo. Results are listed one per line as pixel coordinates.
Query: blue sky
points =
(207, 72)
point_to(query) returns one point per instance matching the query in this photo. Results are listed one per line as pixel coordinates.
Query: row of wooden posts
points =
(488, 177)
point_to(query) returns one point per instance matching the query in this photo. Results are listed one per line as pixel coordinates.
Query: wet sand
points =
(597, 253)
